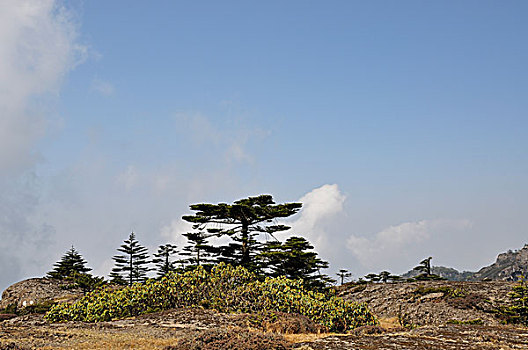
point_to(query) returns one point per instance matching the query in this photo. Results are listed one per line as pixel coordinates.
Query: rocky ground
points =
(419, 315)
(433, 302)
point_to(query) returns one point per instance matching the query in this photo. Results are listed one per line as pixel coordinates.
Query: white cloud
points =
(320, 206)
(38, 46)
(103, 87)
(398, 246)
(175, 230)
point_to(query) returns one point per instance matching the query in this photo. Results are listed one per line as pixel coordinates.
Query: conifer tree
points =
(293, 259)
(163, 259)
(198, 251)
(243, 221)
(372, 277)
(70, 264)
(426, 269)
(425, 266)
(133, 266)
(343, 274)
(386, 276)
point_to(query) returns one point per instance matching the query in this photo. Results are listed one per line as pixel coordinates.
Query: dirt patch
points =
(447, 337)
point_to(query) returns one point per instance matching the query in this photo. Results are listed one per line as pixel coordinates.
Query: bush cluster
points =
(517, 312)
(225, 289)
(448, 291)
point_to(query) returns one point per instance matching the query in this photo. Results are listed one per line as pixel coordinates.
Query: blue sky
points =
(402, 125)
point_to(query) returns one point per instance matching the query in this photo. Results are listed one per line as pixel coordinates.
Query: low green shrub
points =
(225, 289)
(476, 321)
(448, 291)
(517, 312)
(37, 308)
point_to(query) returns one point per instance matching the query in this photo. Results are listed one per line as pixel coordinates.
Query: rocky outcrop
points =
(36, 290)
(434, 302)
(510, 266)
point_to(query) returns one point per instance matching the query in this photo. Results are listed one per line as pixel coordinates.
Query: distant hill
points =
(448, 273)
(510, 266)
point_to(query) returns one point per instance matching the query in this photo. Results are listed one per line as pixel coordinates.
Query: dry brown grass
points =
(390, 323)
(305, 338)
(85, 339)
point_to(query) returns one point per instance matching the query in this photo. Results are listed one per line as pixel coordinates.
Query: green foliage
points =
(224, 288)
(131, 267)
(198, 251)
(36, 308)
(71, 263)
(163, 261)
(344, 274)
(86, 282)
(476, 321)
(10, 309)
(446, 290)
(426, 272)
(383, 276)
(294, 260)
(405, 320)
(243, 221)
(425, 266)
(372, 277)
(518, 311)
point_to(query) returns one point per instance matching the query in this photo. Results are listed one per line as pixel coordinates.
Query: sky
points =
(401, 126)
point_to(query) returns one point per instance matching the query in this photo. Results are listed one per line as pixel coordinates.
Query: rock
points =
(433, 302)
(36, 290)
(431, 296)
(509, 266)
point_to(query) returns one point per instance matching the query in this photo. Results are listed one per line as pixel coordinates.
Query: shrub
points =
(225, 289)
(476, 321)
(518, 311)
(448, 291)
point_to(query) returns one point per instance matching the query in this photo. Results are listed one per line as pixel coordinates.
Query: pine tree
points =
(70, 264)
(198, 251)
(426, 269)
(133, 266)
(243, 221)
(343, 274)
(293, 259)
(372, 277)
(518, 311)
(87, 282)
(163, 259)
(425, 266)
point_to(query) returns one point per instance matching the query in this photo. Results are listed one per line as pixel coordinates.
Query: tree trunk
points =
(245, 243)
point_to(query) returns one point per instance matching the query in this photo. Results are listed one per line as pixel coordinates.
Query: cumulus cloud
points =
(400, 245)
(320, 206)
(38, 47)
